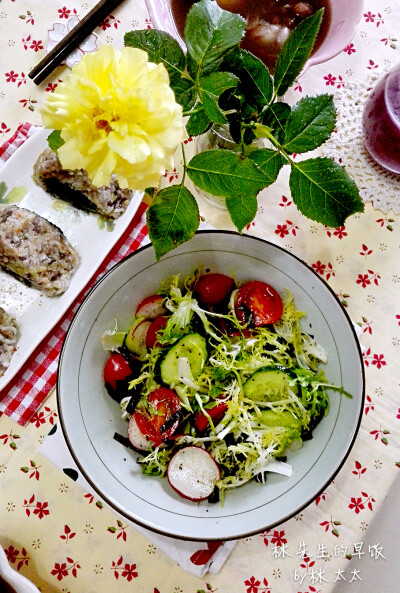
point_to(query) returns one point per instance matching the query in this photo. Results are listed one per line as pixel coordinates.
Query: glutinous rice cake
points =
(75, 187)
(8, 339)
(36, 250)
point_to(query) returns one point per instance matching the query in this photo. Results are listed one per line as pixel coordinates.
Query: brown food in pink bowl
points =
(269, 23)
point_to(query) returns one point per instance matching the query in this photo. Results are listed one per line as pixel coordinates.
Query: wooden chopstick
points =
(72, 39)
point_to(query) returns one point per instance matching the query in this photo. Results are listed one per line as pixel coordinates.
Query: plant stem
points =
(275, 142)
(184, 163)
(191, 111)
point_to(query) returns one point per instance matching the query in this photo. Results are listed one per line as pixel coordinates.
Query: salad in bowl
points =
(218, 382)
(201, 377)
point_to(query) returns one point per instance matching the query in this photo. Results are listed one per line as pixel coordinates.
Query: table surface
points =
(66, 541)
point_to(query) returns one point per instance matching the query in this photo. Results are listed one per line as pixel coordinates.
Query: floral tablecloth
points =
(64, 538)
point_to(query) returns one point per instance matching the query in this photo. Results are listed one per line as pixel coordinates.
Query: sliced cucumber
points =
(135, 339)
(274, 418)
(193, 347)
(268, 384)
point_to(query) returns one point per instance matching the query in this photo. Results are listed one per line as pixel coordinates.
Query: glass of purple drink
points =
(381, 122)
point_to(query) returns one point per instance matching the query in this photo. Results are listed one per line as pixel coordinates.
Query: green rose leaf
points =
(256, 82)
(185, 92)
(224, 173)
(172, 218)
(54, 140)
(310, 123)
(242, 210)
(160, 47)
(295, 52)
(210, 32)
(211, 88)
(198, 122)
(150, 191)
(269, 161)
(275, 117)
(323, 191)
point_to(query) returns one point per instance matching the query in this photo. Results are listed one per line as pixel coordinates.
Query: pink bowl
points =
(345, 15)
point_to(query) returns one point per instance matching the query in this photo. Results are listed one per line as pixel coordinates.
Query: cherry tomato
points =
(215, 413)
(151, 335)
(211, 289)
(228, 328)
(259, 299)
(117, 368)
(165, 404)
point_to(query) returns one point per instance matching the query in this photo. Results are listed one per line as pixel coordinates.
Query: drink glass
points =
(381, 122)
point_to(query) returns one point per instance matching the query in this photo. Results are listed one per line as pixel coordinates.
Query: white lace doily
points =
(375, 184)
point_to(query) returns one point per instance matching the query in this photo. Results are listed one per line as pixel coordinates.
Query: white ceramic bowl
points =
(345, 16)
(90, 418)
(13, 578)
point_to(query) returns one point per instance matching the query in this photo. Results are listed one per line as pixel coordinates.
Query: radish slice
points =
(193, 473)
(151, 307)
(136, 438)
(135, 339)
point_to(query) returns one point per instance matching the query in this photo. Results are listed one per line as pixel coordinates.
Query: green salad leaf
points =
(267, 378)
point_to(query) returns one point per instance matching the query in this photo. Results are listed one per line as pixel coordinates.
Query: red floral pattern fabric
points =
(69, 541)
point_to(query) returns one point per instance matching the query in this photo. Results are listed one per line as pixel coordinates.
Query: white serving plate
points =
(90, 418)
(35, 313)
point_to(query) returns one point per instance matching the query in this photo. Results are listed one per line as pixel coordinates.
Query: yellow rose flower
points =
(117, 115)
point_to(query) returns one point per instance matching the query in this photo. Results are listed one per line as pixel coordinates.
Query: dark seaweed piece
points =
(178, 415)
(126, 442)
(226, 326)
(122, 386)
(306, 435)
(122, 390)
(231, 440)
(157, 369)
(135, 363)
(73, 196)
(248, 315)
(123, 440)
(214, 496)
(197, 326)
(133, 402)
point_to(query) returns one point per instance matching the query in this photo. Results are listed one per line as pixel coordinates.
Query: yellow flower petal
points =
(117, 115)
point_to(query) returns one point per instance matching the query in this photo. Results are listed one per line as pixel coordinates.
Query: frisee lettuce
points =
(243, 444)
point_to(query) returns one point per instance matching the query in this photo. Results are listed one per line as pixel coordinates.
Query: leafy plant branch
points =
(219, 84)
